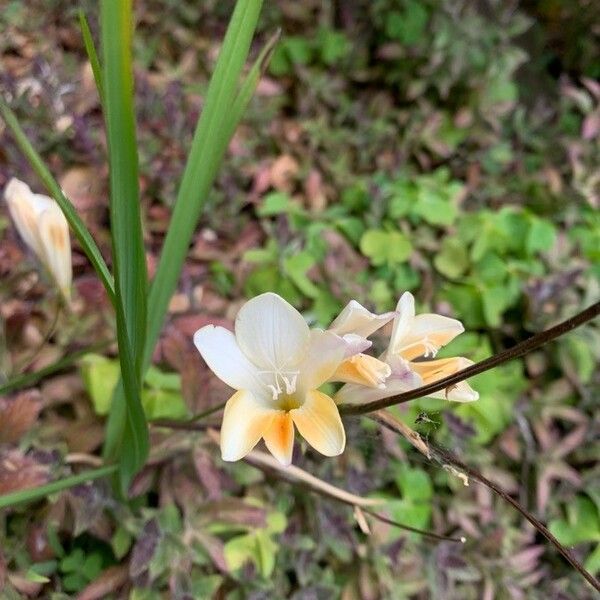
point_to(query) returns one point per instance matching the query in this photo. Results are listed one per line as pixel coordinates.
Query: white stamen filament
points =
(289, 379)
(431, 349)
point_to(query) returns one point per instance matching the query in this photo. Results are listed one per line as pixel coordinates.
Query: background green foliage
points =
(453, 151)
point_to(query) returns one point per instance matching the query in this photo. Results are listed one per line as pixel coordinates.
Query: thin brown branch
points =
(296, 475)
(516, 351)
(446, 457)
(299, 476)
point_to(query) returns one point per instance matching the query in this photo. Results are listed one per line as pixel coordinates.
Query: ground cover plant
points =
(437, 151)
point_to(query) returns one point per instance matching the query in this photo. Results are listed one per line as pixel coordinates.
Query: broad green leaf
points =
(592, 562)
(495, 300)
(434, 206)
(276, 203)
(452, 260)
(333, 45)
(100, 377)
(582, 522)
(385, 247)
(295, 267)
(541, 236)
(414, 484)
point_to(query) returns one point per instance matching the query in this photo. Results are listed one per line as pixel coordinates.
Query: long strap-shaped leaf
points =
(128, 249)
(79, 229)
(217, 123)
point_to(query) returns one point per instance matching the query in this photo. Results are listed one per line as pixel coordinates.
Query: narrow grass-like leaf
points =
(29, 379)
(248, 88)
(129, 435)
(79, 229)
(42, 491)
(90, 49)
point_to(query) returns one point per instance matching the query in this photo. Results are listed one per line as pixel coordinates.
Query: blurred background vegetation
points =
(445, 147)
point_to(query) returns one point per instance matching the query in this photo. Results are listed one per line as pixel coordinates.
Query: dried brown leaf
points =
(20, 472)
(283, 173)
(18, 415)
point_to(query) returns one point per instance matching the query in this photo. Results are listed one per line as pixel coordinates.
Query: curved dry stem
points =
(447, 458)
(518, 350)
(296, 475)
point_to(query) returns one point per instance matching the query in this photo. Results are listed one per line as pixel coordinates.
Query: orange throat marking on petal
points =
(364, 370)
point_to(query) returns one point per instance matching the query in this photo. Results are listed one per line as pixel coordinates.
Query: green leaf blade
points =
(127, 430)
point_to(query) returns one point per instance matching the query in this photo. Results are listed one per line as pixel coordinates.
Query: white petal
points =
(222, 354)
(325, 352)
(271, 332)
(24, 209)
(355, 344)
(402, 379)
(244, 422)
(356, 319)
(279, 437)
(405, 310)
(459, 392)
(434, 370)
(318, 421)
(430, 330)
(56, 246)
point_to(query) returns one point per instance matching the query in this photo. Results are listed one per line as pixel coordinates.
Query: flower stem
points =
(445, 457)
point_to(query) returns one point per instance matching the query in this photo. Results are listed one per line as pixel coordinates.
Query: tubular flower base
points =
(276, 364)
(43, 227)
(414, 342)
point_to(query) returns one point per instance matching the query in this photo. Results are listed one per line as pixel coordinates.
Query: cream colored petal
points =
(56, 248)
(245, 421)
(271, 332)
(324, 353)
(434, 370)
(356, 319)
(405, 310)
(318, 421)
(222, 354)
(24, 210)
(363, 370)
(428, 333)
(279, 438)
(402, 379)
(459, 392)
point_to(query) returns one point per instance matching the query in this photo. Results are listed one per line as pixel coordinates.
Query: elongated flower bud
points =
(43, 227)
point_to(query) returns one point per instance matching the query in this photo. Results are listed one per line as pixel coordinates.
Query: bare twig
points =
(446, 457)
(190, 424)
(516, 351)
(293, 474)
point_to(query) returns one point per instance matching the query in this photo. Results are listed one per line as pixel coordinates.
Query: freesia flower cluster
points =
(277, 364)
(43, 227)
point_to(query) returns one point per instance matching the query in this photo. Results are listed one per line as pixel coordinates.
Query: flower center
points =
(288, 402)
(284, 382)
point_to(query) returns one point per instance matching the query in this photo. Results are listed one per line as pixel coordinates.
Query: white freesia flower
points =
(414, 342)
(43, 227)
(276, 364)
(354, 325)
